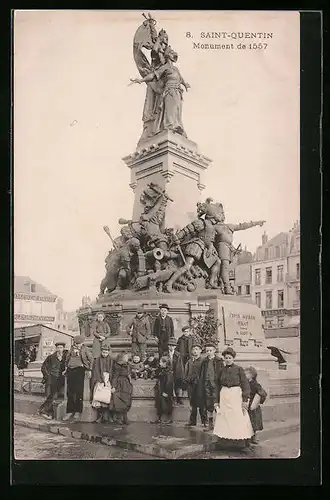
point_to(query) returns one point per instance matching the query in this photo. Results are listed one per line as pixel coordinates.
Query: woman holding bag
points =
(100, 384)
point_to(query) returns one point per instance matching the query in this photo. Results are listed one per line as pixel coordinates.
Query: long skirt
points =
(231, 421)
(75, 389)
(121, 399)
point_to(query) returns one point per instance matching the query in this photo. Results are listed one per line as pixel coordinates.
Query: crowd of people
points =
(227, 398)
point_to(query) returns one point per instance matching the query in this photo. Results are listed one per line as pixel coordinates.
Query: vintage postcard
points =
(157, 235)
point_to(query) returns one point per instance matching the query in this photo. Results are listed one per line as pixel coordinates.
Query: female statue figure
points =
(169, 116)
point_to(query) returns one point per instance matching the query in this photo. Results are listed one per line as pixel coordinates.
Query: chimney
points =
(264, 238)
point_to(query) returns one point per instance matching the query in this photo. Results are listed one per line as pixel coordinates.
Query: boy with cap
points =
(163, 329)
(184, 344)
(140, 331)
(78, 362)
(194, 386)
(52, 370)
(101, 331)
(177, 369)
(210, 372)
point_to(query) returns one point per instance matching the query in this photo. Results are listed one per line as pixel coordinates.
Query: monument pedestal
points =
(175, 164)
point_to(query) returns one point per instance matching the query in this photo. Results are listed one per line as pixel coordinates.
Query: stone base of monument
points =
(240, 327)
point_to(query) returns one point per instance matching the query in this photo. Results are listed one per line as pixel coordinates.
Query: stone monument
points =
(163, 254)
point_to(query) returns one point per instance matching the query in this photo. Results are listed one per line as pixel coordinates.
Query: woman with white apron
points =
(232, 418)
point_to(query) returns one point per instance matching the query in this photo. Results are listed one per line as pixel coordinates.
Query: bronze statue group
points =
(227, 397)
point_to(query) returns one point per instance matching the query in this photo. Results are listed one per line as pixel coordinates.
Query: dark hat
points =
(185, 328)
(59, 342)
(79, 339)
(229, 350)
(105, 347)
(106, 344)
(139, 309)
(196, 343)
(172, 341)
(211, 343)
(163, 306)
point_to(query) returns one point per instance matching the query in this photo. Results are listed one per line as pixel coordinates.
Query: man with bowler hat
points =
(163, 329)
(52, 370)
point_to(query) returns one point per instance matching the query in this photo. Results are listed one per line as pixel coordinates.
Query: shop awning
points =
(20, 336)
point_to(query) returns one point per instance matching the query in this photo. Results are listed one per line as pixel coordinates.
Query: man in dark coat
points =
(52, 370)
(210, 372)
(194, 386)
(177, 369)
(140, 331)
(163, 329)
(78, 362)
(185, 342)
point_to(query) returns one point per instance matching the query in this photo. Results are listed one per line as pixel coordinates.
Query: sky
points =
(75, 118)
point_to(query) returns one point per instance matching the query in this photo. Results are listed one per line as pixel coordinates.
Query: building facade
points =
(33, 303)
(272, 280)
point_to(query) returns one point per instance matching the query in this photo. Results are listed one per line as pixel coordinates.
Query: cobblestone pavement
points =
(30, 444)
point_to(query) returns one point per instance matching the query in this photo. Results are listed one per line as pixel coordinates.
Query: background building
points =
(33, 303)
(271, 278)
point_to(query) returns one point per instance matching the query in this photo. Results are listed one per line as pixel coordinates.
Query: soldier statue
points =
(224, 234)
(199, 247)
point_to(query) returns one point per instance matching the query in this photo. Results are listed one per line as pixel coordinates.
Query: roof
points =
(37, 327)
(277, 240)
(20, 283)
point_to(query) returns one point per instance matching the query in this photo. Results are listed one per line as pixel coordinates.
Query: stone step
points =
(164, 441)
(274, 410)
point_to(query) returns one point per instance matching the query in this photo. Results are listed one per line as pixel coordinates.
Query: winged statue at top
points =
(163, 102)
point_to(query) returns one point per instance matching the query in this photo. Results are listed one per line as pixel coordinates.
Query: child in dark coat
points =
(258, 396)
(137, 367)
(164, 391)
(122, 388)
(150, 367)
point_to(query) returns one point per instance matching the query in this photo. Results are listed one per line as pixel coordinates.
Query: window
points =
(258, 299)
(33, 288)
(247, 289)
(298, 271)
(280, 274)
(258, 276)
(37, 308)
(269, 322)
(277, 252)
(268, 275)
(269, 300)
(280, 299)
(239, 290)
(266, 253)
(280, 322)
(63, 327)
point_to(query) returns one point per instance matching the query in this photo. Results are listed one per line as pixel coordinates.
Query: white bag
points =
(102, 393)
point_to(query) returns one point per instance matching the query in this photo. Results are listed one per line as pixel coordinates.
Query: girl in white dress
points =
(232, 417)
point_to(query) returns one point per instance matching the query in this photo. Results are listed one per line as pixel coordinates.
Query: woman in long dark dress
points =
(122, 389)
(258, 396)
